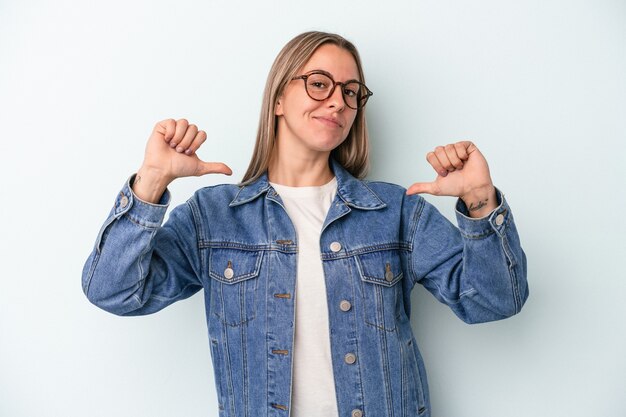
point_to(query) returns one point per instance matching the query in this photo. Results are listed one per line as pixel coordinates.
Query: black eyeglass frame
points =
(363, 99)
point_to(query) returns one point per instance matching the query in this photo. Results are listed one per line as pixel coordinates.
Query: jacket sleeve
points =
(477, 269)
(138, 266)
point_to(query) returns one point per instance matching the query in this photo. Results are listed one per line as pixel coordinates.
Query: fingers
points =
(437, 166)
(188, 136)
(450, 157)
(181, 136)
(167, 128)
(461, 150)
(181, 130)
(453, 156)
(198, 140)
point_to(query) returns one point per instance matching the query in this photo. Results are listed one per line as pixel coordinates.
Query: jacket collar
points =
(353, 191)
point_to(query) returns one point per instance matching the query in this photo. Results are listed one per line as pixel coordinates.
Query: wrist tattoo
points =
(477, 206)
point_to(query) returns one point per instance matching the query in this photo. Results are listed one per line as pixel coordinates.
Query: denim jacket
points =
(239, 245)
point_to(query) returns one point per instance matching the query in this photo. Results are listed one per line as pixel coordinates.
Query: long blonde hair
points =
(352, 154)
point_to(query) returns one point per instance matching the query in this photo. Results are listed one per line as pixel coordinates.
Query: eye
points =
(317, 84)
(350, 92)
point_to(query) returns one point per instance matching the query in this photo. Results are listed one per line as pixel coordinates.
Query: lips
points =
(329, 121)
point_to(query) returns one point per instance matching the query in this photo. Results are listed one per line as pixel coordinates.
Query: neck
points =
(298, 171)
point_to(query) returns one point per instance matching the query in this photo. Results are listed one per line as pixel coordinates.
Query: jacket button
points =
(228, 273)
(389, 276)
(350, 358)
(345, 305)
(356, 413)
(499, 219)
(123, 201)
(335, 246)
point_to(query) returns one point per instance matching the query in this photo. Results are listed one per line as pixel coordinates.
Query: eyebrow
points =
(329, 74)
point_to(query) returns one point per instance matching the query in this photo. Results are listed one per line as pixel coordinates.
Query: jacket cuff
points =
(139, 211)
(495, 222)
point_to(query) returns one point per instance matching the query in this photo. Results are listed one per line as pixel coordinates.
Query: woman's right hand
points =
(170, 154)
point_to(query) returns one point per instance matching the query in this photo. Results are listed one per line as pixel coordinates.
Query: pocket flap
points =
(381, 267)
(231, 266)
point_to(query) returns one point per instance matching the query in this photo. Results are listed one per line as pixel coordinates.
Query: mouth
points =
(329, 121)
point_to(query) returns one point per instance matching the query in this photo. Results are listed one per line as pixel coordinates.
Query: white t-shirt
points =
(313, 390)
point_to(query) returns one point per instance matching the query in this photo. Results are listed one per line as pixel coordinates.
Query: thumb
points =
(422, 187)
(212, 168)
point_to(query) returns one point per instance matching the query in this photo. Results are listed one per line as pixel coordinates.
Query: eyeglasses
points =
(320, 86)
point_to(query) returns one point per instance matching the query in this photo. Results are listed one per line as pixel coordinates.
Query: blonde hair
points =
(352, 154)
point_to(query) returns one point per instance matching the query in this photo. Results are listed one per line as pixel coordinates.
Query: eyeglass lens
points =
(320, 86)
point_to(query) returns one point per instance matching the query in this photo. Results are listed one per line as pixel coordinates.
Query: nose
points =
(336, 98)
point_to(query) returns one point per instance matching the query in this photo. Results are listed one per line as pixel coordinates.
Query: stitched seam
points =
(92, 269)
(103, 231)
(511, 267)
(233, 245)
(467, 293)
(244, 353)
(414, 224)
(228, 364)
(385, 358)
(365, 183)
(239, 278)
(361, 251)
(355, 340)
(381, 281)
(142, 279)
(404, 380)
(197, 221)
(475, 236)
(145, 225)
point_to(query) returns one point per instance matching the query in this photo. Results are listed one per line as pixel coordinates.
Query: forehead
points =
(335, 60)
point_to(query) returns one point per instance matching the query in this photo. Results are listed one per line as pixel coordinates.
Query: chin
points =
(326, 146)
(327, 142)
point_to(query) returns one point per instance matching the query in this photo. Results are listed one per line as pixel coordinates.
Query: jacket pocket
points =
(380, 274)
(235, 275)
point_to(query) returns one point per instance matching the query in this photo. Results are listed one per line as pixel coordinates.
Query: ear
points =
(278, 110)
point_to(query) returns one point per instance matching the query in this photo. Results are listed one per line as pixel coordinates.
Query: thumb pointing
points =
(421, 187)
(213, 168)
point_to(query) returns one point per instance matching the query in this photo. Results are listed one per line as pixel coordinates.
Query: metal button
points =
(350, 358)
(388, 272)
(389, 276)
(228, 273)
(345, 305)
(123, 201)
(356, 413)
(335, 246)
(499, 219)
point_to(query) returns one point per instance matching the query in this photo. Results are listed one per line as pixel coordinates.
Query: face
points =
(307, 125)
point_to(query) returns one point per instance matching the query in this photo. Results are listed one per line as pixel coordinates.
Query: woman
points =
(303, 229)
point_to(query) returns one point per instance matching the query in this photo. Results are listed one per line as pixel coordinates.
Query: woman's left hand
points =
(462, 171)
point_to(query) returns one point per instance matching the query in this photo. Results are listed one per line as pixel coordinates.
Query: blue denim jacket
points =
(239, 245)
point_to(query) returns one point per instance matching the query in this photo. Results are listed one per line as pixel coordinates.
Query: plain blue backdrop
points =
(539, 86)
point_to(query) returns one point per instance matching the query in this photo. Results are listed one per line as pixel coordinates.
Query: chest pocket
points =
(380, 274)
(234, 273)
